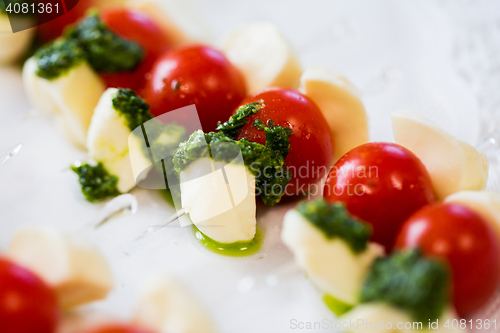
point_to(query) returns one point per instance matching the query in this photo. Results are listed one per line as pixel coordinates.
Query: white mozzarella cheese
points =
(72, 97)
(264, 57)
(108, 142)
(339, 102)
(166, 306)
(330, 263)
(223, 211)
(68, 263)
(453, 165)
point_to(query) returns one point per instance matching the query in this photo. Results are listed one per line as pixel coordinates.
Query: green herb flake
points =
(240, 118)
(335, 221)
(259, 124)
(410, 282)
(97, 184)
(132, 107)
(277, 138)
(104, 50)
(57, 58)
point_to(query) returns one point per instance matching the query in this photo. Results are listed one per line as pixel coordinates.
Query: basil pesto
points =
(132, 107)
(104, 50)
(57, 58)
(266, 163)
(92, 41)
(233, 126)
(335, 221)
(162, 138)
(410, 282)
(97, 184)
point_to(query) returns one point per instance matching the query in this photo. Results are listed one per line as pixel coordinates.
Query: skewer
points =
(10, 153)
(169, 220)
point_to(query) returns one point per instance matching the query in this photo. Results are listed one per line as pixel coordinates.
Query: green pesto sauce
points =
(238, 249)
(408, 281)
(96, 182)
(336, 306)
(132, 107)
(104, 50)
(92, 41)
(266, 163)
(334, 220)
(57, 58)
(233, 126)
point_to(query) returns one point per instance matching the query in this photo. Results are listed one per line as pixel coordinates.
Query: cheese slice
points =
(109, 139)
(178, 22)
(72, 97)
(453, 165)
(339, 102)
(264, 57)
(223, 211)
(329, 263)
(166, 306)
(70, 264)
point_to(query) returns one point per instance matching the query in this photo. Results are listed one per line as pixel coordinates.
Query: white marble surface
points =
(440, 58)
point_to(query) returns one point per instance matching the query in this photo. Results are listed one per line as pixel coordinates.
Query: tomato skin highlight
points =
(382, 184)
(199, 75)
(119, 328)
(311, 145)
(27, 304)
(140, 28)
(466, 242)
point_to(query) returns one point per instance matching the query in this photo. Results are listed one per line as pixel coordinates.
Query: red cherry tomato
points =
(27, 304)
(311, 153)
(119, 328)
(138, 27)
(381, 183)
(466, 241)
(53, 29)
(197, 75)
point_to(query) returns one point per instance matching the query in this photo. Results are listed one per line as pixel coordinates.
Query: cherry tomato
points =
(54, 28)
(197, 75)
(27, 304)
(382, 184)
(138, 27)
(466, 241)
(119, 328)
(311, 153)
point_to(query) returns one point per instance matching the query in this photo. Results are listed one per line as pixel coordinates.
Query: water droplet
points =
(245, 284)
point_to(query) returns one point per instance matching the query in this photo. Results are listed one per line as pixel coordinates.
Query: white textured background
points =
(440, 58)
